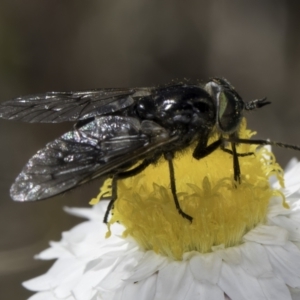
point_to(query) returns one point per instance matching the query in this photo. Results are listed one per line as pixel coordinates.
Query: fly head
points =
(229, 105)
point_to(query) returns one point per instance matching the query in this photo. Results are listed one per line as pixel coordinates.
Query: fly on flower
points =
(119, 132)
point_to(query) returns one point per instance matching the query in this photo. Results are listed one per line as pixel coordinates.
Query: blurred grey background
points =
(73, 45)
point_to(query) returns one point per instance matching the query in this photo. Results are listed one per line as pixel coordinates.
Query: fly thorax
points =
(180, 107)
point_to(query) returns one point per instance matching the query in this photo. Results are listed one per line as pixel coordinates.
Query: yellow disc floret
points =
(222, 209)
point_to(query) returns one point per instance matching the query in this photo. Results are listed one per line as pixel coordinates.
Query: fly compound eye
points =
(229, 111)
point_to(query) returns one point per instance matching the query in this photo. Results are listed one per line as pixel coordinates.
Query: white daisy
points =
(243, 242)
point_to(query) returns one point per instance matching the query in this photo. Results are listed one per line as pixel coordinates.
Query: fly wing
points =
(105, 146)
(55, 107)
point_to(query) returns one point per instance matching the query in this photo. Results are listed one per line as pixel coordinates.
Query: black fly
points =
(117, 128)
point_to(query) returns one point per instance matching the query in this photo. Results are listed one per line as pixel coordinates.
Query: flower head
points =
(243, 241)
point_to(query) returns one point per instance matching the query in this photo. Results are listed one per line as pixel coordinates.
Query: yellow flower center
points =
(222, 210)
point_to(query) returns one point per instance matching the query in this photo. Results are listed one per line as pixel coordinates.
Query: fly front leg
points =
(202, 150)
(169, 157)
(236, 164)
(238, 154)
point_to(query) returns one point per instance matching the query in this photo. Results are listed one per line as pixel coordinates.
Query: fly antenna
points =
(257, 103)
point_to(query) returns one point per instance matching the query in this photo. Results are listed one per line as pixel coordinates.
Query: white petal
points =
(239, 285)
(255, 260)
(63, 275)
(267, 235)
(140, 290)
(82, 212)
(274, 289)
(206, 267)
(95, 212)
(294, 204)
(286, 264)
(292, 226)
(45, 296)
(297, 244)
(41, 283)
(275, 208)
(291, 164)
(55, 251)
(231, 255)
(79, 234)
(204, 291)
(291, 178)
(295, 293)
(121, 271)
(173, 281)
(148, 265)
(96, 276)
(120, 247)
(86, 288)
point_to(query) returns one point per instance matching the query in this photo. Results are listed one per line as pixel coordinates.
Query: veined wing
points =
(102, 147)
(54, 107)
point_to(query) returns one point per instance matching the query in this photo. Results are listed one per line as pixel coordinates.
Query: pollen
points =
(222, 210)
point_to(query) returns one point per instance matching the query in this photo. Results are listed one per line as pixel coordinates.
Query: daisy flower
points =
(242, 244)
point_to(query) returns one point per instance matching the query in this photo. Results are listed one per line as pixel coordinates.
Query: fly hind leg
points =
(123, 175)
(169, 157)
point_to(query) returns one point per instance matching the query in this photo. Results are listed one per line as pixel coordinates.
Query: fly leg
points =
(236, 164)
(238, 154)
(112, 200)
(123, 175)
(169, 157)
(202, 150)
